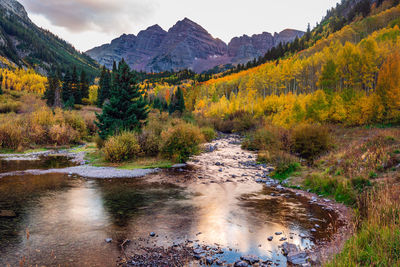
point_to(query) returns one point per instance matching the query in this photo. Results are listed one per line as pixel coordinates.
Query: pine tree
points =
(52, 93)
(84, 85)
(308, 33)
(67, 87)
(127, 109)
(104, 87)
(177, 102)
(75, 88)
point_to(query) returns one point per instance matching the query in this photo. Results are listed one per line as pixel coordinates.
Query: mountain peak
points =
(186, 23)
(14, 7)
(155, 27)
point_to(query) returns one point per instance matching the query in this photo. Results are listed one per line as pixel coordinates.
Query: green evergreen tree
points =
(104, 87)
(67, 87)
(84, 85)
(127, 109)
(177, 102)
(75, 87)
(51, 95)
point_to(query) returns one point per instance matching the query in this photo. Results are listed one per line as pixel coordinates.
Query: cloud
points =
(109, 16)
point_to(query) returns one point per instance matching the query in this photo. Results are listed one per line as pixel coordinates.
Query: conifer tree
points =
(127, 109)
(52, 93)
(177, 102)
(67, 87)
(75, 88)
(84, 85)
(104, 87)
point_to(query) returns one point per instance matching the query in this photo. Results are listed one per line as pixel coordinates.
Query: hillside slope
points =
(25, 44)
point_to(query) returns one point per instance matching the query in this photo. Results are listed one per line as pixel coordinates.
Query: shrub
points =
(157, 122)
(63, 134)
(11, 106)
(76, 122)
(260, 140)
(149, 143)
(310, 141)
(121, 147)
(12, 136)
(181, 141)
(99, 141)
(208, 133)
(285, 164)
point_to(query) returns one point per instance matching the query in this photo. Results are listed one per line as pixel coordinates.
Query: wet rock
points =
(297, 258)
(283, 239)
(152, 234)
(219, 262)
(241, 264)
(278, 233)
(250, 259)
(108, 240)
(259, 180)
(288, 248)
(180, 165)
(270, 238)
(198, 251)
(220, 170)
(7, 214)
(303, 235)
(209, 260)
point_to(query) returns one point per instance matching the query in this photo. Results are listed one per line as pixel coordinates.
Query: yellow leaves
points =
(23, 80)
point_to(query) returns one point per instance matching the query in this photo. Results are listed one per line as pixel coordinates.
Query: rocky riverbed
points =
(221, 208)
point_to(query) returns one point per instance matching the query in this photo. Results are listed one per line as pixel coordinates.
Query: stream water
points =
(65, 220)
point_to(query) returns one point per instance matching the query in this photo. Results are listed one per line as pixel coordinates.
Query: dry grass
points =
(377, 241)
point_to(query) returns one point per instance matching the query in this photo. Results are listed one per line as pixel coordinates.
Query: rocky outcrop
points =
(185, 45)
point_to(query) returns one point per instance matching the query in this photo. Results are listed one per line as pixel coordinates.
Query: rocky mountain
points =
(24, 44)
(185, 45)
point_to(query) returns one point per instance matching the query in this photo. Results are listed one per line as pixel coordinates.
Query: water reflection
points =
(68, 219)
(22, 163)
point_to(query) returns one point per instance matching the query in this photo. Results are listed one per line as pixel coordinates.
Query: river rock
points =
(108, 240)
(219, 262)
(180, 165)
(209, 260)
(270, 238)
(297, 258)
(288, 248)
(152, 234)
(241, 264)
(250, 258)
(278, 233)
(303, 235)
(283, 239)
(7, 214)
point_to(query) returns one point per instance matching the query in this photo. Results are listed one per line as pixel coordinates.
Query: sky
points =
(89, 23)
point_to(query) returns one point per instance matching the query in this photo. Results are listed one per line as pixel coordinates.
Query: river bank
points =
(225, 167)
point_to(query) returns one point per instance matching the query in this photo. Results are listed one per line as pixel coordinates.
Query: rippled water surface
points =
(68, 218)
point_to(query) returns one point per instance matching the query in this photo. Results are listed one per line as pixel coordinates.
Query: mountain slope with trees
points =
(24, 44)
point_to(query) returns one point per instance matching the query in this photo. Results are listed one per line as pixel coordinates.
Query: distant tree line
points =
(66, 90)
